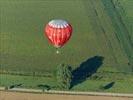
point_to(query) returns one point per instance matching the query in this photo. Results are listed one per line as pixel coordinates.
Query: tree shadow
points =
(86, 69)
(15, 86)
(44, 86)
(108, 86)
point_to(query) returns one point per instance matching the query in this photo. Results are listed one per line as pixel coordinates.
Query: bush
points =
(64, 76)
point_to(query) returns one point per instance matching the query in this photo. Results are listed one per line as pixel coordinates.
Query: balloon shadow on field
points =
(86, 69)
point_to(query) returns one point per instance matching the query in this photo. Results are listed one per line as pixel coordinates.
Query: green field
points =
(102, 28)
(123, 85)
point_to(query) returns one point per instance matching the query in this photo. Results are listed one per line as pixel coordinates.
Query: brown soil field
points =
(33, 96)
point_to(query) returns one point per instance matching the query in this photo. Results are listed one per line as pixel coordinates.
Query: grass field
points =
(124, 8)
(123, 85)
(101, 29)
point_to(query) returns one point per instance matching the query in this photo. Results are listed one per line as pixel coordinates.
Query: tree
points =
(64, 76)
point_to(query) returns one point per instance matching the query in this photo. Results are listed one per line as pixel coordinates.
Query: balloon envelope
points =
(58, 32)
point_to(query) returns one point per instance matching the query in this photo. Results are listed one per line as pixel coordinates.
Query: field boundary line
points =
(68, 92)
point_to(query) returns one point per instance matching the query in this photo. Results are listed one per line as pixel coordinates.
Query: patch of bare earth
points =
(32, 96)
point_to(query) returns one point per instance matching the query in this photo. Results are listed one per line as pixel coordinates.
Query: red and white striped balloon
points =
(58, 32)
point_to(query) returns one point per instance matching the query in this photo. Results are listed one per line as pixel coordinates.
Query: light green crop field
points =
(123, 85)
(125, 10)
(101, 28)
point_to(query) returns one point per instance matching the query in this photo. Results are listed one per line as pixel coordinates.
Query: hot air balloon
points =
(58, 32)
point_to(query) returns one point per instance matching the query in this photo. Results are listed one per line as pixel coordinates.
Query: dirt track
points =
(30, 96)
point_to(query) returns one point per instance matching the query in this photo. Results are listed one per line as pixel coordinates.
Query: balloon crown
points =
(58, 23)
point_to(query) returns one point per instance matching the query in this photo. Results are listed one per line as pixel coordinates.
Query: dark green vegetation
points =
(102, 28)
(64, 76)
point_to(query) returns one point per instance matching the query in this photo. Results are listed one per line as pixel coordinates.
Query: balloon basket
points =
(57, 52)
